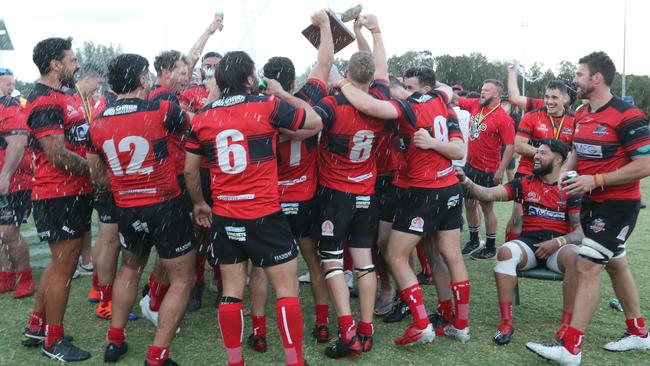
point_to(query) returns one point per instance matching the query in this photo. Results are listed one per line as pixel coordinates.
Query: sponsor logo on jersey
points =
(360, 178)
(547, 214)
(422, 98)
(327, 228)
(474, 130)
(567, 131)
(417, 224)
(229, 101)
(236, 233)
(597, 225)
(623, 234)
(588, 150)
(453, 201)
(445, 171)
(240, 197)
(600, 131)
(120, 109)
(532, 197)
(542, 127)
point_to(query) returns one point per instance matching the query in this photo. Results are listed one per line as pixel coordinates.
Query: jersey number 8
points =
(361, 146)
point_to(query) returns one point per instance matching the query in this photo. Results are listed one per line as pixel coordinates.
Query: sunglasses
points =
(4, 71)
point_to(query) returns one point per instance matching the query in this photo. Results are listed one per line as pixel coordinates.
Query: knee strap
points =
(509, 266)
(594, 251)
(364, 270)
(333, 271)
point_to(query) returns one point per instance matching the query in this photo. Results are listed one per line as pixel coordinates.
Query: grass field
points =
(199, 342)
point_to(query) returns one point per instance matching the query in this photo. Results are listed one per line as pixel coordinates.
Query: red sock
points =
(347, 259)
(461, 295)
(105, 293)
(347, 328)
(446, 309)
(510, 236)
(200, 269)
(637, 327)
(116, 335)
(53, 332)
(505, 307)
(573, 339)
(157, 293)
(414, 298)
(259, 326)
(289, 319)
(566, 317)
(36, 322)
(322, 314)
(365, 329)
(216, 273)
(24, 276)
(156, 355)
(7, 281)
(95, 280)
(424, 262)
(231, 323)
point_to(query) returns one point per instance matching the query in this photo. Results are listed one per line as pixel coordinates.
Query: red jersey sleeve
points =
(573, 204)
(45, 117)
(15, 121)
(468, 103)
(405, 112)
(633, 133)
(326, 109)
(313, 91)
(379, 89)
(175, 119)
(507, 129)
(525, 128)
(514, 189)
(533, 103)
(192, 143)
(286, 116)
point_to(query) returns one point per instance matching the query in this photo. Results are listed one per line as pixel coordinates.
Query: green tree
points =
(97, 53)
(397, 65)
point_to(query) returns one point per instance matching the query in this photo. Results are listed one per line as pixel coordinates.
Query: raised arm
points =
(313, 123)
(325, 49)
(513, 89)
(195, 52)
(378, 50)
(362, 43)
(498, 193)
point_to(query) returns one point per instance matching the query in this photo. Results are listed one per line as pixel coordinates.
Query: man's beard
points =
(585, 93)
(67, 80)
(542, 170)
(486, 102)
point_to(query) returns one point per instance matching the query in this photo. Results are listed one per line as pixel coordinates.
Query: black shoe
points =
(400, 310)
(321, 333)
(113, 352)
(501, 339)
(196, 296)
(484, 254)
(471, 246)
(642, 205)
(339, 349)
(258, 344)
(145, 290)
(366, 343)
(168, 362)
(438, 321)
(65, 351)
(29, 339)
(424, 279)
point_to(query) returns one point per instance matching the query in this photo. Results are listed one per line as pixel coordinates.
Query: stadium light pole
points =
(623, 86)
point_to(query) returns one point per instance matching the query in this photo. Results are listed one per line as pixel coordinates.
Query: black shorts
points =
(428, 210)
(266, 241)
(63, 218)
(16, 209)
(205, 185)
(185, 198)
(344, 217)
(609, 224)
(485, 179)
(165, 225)
(299, 216)
(388, 198)
(104, 203)
(530, 238)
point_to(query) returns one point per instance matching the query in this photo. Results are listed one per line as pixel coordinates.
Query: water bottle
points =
(3, 202)
(615, 304)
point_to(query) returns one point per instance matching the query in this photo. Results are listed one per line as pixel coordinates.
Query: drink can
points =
(572, 174)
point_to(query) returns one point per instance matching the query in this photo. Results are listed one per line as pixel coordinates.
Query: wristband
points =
(599, 180)
(559, 242)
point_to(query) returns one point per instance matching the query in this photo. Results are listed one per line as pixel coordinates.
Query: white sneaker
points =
(555, 352)
(304, 278)
(349, 279)
(83, 270)
(460, 334)
(628, 342)
(150, 314)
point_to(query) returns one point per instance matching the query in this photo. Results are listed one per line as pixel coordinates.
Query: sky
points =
(546, 31)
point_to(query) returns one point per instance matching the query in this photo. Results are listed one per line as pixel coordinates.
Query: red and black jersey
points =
(238, 135)
(539, 125)
(107, 98)
(608, 139)
(347, 161)
(131, 136)
(193, 98)
(533, 104)
(297, 159)
(545, 206)
(428, 168)
(388, 150)
(13, 121)
(52, 112)
(489, 128)
(176, 151)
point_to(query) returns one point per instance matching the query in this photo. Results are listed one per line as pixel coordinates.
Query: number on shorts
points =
(140, 151)
(361, 146)
(231, 157)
